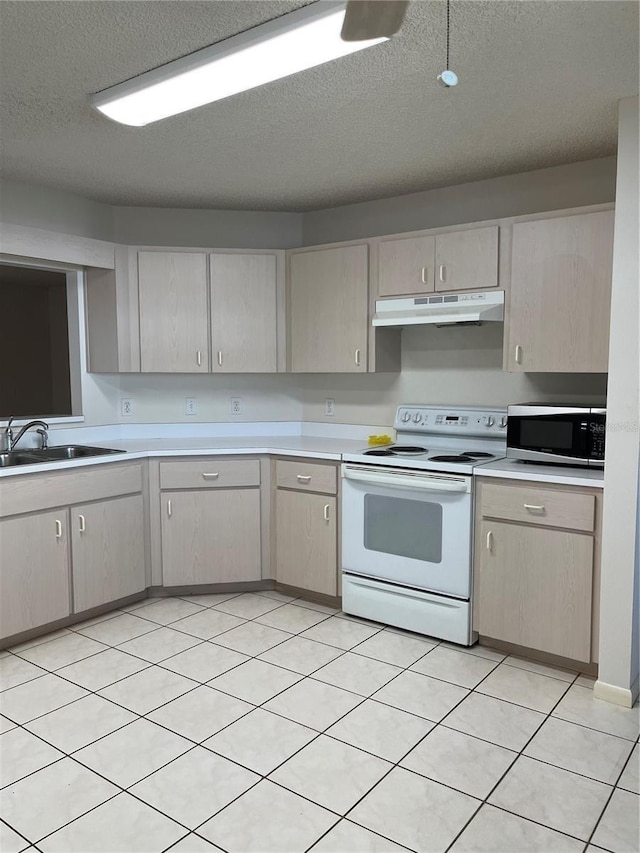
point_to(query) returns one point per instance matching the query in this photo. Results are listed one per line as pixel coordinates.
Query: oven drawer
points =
(308, 477)
(549, 507)
(411, 609)
(209, 474)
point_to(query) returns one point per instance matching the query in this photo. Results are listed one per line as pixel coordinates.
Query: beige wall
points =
(620, 588)
(572, 185)
(448, 366)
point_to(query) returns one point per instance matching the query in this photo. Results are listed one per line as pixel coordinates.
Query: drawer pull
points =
(534, 507)
(518, 354)
(58, 529)
(82, 524)
(220, 358)
(169, 509)
(212, 476)
(304, 478)
(325, 512)
(199, 357)
(423, 275)
(442, 273)
(356, 357)
(490, 541)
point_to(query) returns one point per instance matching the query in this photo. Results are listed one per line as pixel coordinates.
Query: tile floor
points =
(257, 722)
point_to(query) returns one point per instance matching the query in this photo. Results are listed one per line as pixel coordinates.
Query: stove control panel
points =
(462, 421)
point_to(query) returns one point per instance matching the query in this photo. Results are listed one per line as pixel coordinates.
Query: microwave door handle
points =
(397, 481)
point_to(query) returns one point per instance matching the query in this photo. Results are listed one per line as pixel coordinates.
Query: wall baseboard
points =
(624, 696)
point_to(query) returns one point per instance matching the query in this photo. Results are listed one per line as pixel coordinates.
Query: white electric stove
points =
(407, 515)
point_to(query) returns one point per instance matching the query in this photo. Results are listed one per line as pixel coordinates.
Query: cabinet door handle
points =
(423, 275)
(169, 509)
(304, 478)
(325, 512)
(490, 541)
(518, 354)
(199, 357)
(442, 272)
(356, 357)
(534, 507)
(82, 523)
(210, 476)
(58, 529)
(220, 358)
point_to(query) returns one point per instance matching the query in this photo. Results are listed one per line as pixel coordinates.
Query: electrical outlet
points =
(126, 407)
(190, 405)
(329, 407)
(235, 406)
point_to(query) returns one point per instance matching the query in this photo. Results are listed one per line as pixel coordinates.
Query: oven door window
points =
(403, 527)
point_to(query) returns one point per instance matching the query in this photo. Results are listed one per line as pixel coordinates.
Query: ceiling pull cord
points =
(447, 77)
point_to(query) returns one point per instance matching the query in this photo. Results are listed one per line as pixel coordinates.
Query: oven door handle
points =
(398, 481)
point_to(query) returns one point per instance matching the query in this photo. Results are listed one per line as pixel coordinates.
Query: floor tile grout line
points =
(609, 798)
(519, 755)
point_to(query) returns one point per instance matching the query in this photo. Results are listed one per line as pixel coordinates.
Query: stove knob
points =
(405, 416)
(489, 421)
(503, 422)
(417, 418)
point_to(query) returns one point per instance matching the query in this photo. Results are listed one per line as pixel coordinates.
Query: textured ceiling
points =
(539, 83)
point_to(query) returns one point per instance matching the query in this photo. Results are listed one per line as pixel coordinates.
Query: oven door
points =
(408, 527)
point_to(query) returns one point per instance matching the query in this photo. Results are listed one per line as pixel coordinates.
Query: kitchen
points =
(452, 365)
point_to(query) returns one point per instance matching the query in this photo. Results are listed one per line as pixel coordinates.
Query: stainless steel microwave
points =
(556, 435)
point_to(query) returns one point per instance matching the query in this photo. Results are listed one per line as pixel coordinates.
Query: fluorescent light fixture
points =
(302, 39)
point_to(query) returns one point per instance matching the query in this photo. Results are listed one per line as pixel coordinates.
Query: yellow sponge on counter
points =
(380, 439)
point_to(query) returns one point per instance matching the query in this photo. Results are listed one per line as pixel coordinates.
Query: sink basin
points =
(69, 451)
(52, 454)
(17, 457)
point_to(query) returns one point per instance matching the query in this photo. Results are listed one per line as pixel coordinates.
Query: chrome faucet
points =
(42, 432)
(6, 437)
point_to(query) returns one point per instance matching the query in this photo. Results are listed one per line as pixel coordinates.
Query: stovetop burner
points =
(478, 454)
(397, 450)
(408, 448)
(461, 458)
(379, 453)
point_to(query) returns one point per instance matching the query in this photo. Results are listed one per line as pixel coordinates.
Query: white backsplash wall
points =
(448, 366)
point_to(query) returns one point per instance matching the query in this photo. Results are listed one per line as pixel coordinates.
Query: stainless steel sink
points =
(52, 454)
(70, 451)
(17, 457)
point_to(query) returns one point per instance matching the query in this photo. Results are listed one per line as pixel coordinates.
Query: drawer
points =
(548, 507)
(209, 474)
(309, 477)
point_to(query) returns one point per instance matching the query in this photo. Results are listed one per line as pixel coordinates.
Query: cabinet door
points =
(329, 311)
(306, 541)
(406, 266)
(561, 294)
(210, 536)
(34, 578)
(107, 546)
(533, 588)
(243, 313)
(174, 329)
(467, 260)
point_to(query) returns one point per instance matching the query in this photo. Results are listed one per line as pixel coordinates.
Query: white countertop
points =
(316, 447)
(511, 469)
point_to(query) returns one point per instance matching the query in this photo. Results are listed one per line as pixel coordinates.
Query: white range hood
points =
(440, 310)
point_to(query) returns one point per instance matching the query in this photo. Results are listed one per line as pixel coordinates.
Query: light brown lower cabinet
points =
(536, 567)
(534, 588)
(306, 541)
(210, 536)
(34, 578)
(107, 545)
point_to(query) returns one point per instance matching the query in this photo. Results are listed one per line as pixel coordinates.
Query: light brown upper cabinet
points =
(328, 310)
(243, 313)
(561, 294)
(456, 260)
(174, 328)
(467, 260)
(406, 266)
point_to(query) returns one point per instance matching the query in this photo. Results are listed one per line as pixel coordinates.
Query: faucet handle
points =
(6, 437)
(44, 438)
